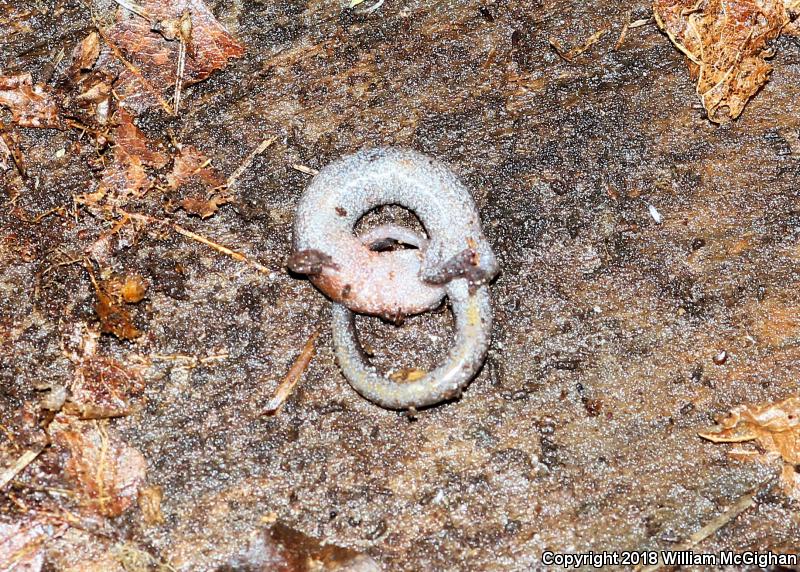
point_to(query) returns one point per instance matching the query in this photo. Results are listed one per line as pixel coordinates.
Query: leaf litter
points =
(774, 427)
(727, 44)
(66, 469)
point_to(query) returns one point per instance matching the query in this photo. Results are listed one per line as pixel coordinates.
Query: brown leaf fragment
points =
(150, 505)
(104, 472)
(281, 548)
(152, 48)
(193, 175)
(203, 208)
(726, 44)
(776, 427)
(191, 164)
(126, 176)
(31, 105)
(103, 387)
(95, 92)
(134, 143)
(114, 318)
(22, 545)
(85, 54)
(87, 91)
(100, 386)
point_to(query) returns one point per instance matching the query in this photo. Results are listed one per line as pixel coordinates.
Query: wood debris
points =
(775, 427)
(304, 169)
(727, 45)
(223, 249)
(293, 376)
(150, 505)
(23, 461)
(249, 160)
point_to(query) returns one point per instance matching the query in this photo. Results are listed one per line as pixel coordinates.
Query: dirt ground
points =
(580, 433)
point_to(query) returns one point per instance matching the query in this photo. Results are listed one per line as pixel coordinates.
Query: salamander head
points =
(476, 263)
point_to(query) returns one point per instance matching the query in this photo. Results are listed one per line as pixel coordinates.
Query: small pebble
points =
(721, 357)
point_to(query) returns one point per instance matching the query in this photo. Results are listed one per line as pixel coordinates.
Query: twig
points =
(304, 169)
(223, 249)
(249, 160)
(363, 11)
(185, 36)
(639, 23)
(23, 461)
(199, 238)
(295, 372)
(622, 34)
(578, 50)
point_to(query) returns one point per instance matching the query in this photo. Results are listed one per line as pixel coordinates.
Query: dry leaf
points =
(191, 164)
(85, 54)
(155, 58)
(193, 175)
(21, 545)
(88, 93)
(126, 176)
(203, 208)
(776, 427)
(103, 387)
(31, 105)
(726, 44)
(104, 472)
(133, 142)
